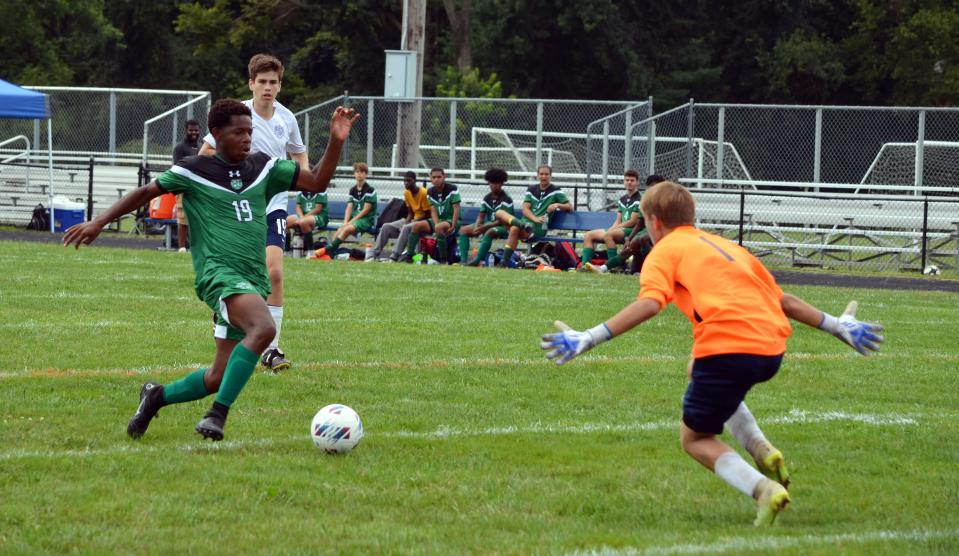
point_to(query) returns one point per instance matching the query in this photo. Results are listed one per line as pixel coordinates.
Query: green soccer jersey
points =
(628, 206)
(359, 198)
(443, 199)
(493, 203)
(226, 206)
(308, 202)
(540, 199)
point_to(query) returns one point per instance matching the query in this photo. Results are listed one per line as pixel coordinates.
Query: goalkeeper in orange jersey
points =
(740, 321)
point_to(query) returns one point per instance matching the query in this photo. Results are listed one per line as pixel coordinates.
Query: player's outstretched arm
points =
(86, 232)
(568, 343)
(317, 179)
(863, 337)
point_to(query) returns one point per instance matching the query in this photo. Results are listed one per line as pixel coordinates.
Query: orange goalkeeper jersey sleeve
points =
(731, 299)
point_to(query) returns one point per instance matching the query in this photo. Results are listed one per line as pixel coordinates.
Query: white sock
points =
(733, 469)
(744, 429)
(276, 311)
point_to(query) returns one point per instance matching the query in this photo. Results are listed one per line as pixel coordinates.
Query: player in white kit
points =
(276, 133)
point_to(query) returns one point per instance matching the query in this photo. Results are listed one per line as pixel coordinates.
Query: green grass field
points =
(474, 442)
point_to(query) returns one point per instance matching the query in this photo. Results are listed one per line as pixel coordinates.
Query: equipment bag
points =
(394, 210)
(564, 256)
(40, 219)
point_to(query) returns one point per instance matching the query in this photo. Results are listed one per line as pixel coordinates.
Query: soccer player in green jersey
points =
(225, 197)
(539, 204)
(360, 215)
(444, 199)
(486, 224)
(627, 218)
(312, 212)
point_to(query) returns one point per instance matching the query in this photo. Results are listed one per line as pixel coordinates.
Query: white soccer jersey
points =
(276, 137)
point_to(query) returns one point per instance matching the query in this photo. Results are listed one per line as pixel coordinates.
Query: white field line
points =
(770, 544)
(462, 362)
(795, 416)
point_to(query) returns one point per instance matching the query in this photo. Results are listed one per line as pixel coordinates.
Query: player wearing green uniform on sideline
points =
(487, 225)
(360, 215)
(225, 197)
(312, 213)
(539, 204)
(627, 218)
(445, 213)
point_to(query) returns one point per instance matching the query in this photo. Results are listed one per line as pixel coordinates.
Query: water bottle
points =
(418, 258)
(369, 252)
(490, 260)
(297, 244)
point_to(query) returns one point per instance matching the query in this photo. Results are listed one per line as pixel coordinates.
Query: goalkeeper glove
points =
(568, 343)
(861, 336)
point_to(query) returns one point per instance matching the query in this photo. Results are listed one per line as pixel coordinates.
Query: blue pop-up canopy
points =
(16, 102)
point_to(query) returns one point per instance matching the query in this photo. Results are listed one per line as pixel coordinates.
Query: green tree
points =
(58, 42)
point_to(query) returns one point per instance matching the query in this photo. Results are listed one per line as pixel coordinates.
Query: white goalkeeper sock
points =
(742, 425)
(276, 311)
(733, 469)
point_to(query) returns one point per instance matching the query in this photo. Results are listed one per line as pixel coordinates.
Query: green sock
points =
(483, 250)
(507, 255)
(239, 368)
(588, 254)
(464, 242)
(187, 389)
(333, 245)
(411, 244)
(441, 248)
(614, 261)
(610, 252)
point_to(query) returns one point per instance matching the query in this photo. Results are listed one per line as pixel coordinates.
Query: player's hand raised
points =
(342, 122)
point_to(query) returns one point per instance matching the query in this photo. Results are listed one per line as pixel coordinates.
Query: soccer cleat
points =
(211, 426)
(151, 400)
(771, 463)
(772, 499)
(276, 360)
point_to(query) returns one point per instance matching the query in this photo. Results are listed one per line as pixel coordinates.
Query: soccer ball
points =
(336, 429)
(931, 270)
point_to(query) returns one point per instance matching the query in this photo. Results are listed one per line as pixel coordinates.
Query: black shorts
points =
(720, 384)
(276, 228)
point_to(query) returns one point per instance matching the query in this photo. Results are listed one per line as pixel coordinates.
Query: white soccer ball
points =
(336, 429)
(931, 270)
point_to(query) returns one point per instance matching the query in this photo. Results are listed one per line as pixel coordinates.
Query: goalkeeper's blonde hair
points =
(671, 203)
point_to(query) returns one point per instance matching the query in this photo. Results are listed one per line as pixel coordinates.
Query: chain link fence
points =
(467, 136)
(825, 148)
(96, 121)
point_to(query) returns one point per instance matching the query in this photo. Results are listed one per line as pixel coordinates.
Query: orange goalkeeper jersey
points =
(733, 302)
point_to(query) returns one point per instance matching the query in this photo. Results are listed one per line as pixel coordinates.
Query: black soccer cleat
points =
(151, 400)
(275, 360)
(211, 426)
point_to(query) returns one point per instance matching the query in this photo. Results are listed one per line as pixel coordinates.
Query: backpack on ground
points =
(394, 210)
(564, 256)
(40, 219)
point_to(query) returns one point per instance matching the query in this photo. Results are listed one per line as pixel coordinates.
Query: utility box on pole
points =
(399, 82)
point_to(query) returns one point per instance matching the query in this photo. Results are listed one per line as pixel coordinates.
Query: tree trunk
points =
(409, 114)
(460, 23)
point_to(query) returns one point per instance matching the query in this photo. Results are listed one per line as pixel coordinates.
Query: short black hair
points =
(654, 179)
(410, 174)
(223, 110)
(631, 173)
(191, 122)
(440, 170)
(496, 175)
